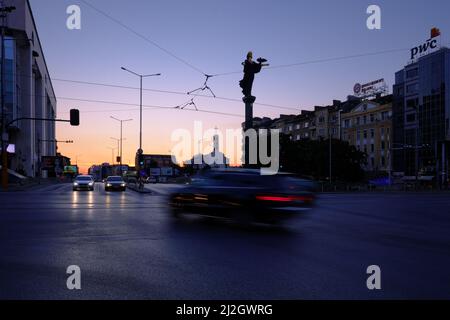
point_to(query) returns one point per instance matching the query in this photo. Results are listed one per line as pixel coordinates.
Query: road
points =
(128, 247)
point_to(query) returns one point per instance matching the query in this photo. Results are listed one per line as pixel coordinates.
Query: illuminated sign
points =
(428, 47)
(370, 89)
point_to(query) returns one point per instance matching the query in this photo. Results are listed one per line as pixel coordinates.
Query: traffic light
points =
(141, 160)
(74, 117)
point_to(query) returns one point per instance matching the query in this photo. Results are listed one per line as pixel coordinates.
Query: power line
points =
(117, 86)
(360, 55)
(152, 42)
(169, 92)
(133, 105)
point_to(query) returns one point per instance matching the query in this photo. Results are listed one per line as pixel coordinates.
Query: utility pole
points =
(4, 135)
(120, 140)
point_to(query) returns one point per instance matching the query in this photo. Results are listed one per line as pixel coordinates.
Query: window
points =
(372, 162)
(383, 145)
(400, 91)
(306, 124)
(365, 119)
(412, 88)
(372, 117)
(372, 148)
(412, 73)
(297, 126)
(385, 115)
(358, 136)
(411, 117)
(347, 123)
(358, 121)
(372, 133)
(412, 103)
(365, 134)
(383, 161)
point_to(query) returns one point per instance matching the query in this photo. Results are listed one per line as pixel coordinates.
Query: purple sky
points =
(214, 36)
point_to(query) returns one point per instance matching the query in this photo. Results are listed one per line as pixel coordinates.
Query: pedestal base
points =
(249, 99)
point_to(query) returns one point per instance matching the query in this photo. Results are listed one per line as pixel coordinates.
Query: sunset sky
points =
(214, 37)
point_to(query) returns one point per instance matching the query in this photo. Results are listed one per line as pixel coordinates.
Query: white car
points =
(83, 182)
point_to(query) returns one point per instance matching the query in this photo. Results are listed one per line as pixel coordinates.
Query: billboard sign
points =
(370, 89)
(429, 46)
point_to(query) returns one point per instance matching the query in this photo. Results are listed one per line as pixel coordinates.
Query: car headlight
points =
(108, 184)
(91, 184)
(123, 184)
(75, 183)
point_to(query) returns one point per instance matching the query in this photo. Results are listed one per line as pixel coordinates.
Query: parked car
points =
(83, 182)
(115, 183)
(244, 195)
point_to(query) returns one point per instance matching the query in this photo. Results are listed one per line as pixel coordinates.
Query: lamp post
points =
(141, 76)
(112, 153)
(120, 147)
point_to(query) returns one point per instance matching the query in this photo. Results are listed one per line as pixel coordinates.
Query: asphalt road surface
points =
(128, 247)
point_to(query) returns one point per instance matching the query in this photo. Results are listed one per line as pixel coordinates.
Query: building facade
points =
(421, 111)
(28, 92)
(368, 127)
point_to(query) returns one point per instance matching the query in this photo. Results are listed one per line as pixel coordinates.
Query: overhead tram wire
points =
(161, 91)
(140, 35)
(155, 107)
(360, 55)
(169, 92)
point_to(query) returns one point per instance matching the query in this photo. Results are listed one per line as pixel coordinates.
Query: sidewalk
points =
(29, 184)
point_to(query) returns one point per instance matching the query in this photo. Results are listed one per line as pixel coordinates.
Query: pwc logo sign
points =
(427, 47)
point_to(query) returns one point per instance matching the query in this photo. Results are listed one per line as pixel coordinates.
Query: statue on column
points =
(250, 68)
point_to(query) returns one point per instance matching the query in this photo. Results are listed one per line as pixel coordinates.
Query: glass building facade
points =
(9, 74)
(421, 110)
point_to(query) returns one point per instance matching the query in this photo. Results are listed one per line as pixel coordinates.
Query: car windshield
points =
(114, 179)
(84, 178)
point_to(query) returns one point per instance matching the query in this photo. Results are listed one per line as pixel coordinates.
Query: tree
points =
(310, 158)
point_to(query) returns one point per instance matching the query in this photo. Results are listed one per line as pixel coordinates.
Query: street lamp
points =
(141, 76)
(118, 145)
(112, 153)
(120, 149)
(76, 159)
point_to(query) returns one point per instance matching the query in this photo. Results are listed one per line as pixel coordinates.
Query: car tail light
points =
(284, 198)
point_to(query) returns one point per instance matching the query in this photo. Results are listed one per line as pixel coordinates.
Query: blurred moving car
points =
(115, 183)
(244, 195)
(83, 182)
